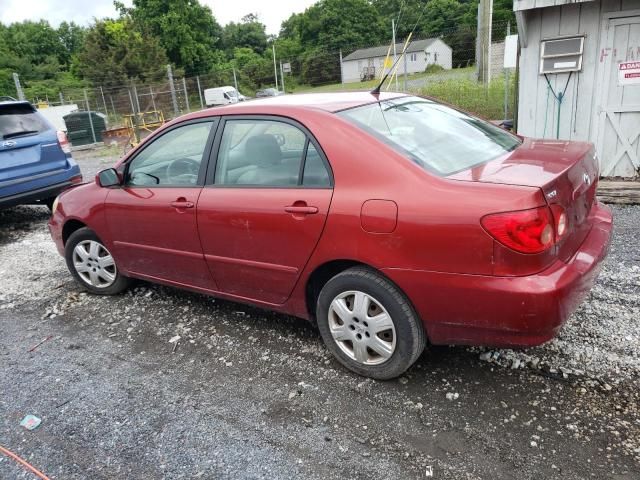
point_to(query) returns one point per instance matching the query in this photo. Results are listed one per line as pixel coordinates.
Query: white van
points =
(220, 96)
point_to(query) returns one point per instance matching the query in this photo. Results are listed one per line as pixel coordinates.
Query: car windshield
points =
(440, 139)
(17, 120)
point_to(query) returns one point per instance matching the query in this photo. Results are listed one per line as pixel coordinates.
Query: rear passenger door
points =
(264, 206)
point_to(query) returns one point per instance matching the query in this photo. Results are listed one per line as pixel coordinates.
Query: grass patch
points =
(483, 100)
(456, 87)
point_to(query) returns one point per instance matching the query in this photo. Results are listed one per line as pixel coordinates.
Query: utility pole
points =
(61, 98)
(489, 22)
(275, 69)
(281, 77)
(483, 40)
(16, 80)
(341, 71)
(172, 87)
(199, 91)
(393, 39)
(186, 96)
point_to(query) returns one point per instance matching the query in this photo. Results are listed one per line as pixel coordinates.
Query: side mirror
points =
(108, 178)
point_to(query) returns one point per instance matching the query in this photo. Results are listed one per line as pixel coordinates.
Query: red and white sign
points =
(629, 73)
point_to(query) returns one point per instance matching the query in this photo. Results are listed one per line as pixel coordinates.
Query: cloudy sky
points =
(82, 11)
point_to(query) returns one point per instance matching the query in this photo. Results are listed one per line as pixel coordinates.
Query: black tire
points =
(410, 337)
(49, 203)
(83, 235)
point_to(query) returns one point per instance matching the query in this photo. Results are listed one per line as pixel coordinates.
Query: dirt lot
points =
(251, 394)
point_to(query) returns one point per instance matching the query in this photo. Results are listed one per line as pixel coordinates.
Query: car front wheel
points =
(369, 324)
(92, 265)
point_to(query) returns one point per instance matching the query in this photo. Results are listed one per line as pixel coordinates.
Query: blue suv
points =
(35, 159)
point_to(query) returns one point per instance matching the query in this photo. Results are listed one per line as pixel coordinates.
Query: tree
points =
(185, 29)
(249, 33)
(33, 41)
(115, 52)
(335, 24)
(71, 37)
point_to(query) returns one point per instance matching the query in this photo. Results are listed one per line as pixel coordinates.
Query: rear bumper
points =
(42, 188)
(507, 311)
(34, 196)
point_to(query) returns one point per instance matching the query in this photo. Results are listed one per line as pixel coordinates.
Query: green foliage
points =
(250, 33)
(482, 100)
(186, 30)
(115, 52)
(433, 68)
(151, 33)
(39, 53)
(335, 24)
(320, 67)
(253, 70)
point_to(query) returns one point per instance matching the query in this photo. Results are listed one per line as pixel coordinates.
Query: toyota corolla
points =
(388, 220)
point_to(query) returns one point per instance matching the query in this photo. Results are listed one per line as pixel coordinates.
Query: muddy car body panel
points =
(437, 236)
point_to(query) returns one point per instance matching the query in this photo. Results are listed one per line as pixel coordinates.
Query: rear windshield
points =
(440, 139)
(20, 120)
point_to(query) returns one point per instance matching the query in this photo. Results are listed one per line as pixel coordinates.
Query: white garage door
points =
(618, 139)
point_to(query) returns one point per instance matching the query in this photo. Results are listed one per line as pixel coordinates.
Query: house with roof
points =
(367, 63)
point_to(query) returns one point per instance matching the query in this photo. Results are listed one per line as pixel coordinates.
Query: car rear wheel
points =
(369, 324)
(92, 265)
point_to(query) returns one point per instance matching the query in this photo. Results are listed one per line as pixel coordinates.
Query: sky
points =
(271, 13)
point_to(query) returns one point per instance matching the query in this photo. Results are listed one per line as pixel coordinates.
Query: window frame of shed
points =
(544, 56)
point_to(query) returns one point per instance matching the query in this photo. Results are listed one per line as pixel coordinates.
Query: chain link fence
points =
(132, 111)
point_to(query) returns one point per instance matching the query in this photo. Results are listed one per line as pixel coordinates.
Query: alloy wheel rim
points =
(362, 328)
(94, 264)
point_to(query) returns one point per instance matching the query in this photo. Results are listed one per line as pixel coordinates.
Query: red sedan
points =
(388, 220)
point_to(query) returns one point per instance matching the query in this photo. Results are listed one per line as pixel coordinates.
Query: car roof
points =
(330, 102)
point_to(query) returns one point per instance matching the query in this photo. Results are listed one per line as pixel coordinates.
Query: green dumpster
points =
(84, 128)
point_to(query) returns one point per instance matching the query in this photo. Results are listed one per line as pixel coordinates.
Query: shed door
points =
(619, 123)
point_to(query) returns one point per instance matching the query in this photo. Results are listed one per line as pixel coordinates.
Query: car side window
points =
(261, 153)
(315, 172)
(173, 159)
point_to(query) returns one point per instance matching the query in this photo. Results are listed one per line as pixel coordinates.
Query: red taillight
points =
(76, 179)
(525, 231)
(64, 142)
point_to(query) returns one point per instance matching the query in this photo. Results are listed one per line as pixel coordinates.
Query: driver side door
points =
(152, 216)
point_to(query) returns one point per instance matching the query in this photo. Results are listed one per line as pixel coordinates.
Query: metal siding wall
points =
(528, 96)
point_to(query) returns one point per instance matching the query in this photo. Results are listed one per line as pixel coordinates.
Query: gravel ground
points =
(246, 393)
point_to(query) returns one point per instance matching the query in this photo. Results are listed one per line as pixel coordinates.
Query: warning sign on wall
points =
(629, 73)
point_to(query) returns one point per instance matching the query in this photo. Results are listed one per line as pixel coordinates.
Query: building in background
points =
(367, 63)
(579, 76)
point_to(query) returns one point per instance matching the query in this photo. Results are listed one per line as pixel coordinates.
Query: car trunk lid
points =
(566, 172)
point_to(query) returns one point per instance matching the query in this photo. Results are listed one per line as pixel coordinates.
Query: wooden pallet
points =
(620, 192)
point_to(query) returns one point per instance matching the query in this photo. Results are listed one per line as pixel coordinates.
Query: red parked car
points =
(387, 219)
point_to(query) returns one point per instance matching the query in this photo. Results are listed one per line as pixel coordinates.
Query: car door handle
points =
(182, 204)
(305, 210)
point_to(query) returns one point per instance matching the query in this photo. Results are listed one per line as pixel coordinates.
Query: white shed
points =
(580, 76)
(420, 53)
